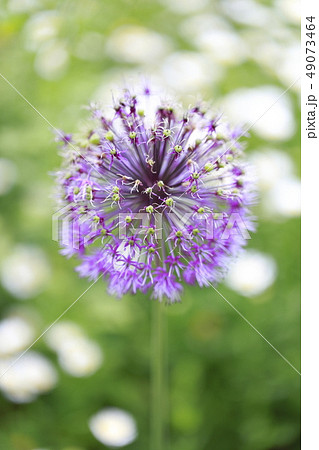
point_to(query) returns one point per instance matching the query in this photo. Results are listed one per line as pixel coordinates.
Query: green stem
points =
(158, 395)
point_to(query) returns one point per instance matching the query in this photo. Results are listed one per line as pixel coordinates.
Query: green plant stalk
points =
(158, 389)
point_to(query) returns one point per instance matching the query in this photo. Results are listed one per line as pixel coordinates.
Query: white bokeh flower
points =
(62, 332)
(8, 175)
(16, 333)
(279, 54)
(224, 46)
(52, 60)
(25, 272)
(187, 71)
(264, 108)
(279, 187)
(30, 376)
(289, 10)
(41, 27)
(284, 199)
(113, 427)
(77, 355)
(288, 67)
(247, 12)
(136, 44)
(80, 357)
(252, 273)
(264, 52)
(270, 165)
(214, 37)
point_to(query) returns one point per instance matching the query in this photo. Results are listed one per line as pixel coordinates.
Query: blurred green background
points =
(229, 390)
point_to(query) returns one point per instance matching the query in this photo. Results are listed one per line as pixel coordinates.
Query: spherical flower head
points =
(153, 196)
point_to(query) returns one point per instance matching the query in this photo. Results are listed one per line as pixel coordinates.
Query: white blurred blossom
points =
(136, 44)
(247, 12)
(264, 108)
(78, 355)
(8, 175)
(216, 38)
(279, 187)
(41, 27)
(270, 166)
(25, 272)
(16, 333)
(224, 46)
(289, 10)
(52, 60)
(62, 332)
(31, 375)
(279, 54)
(189, 71)
(201, 22)
(252, 273)
(264, 51)
(284, 199)
(113, 427)
(288, 66)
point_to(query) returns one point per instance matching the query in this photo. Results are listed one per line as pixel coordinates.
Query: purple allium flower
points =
(155, 196)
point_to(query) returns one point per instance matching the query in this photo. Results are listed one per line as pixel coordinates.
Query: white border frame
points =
(310, 246)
